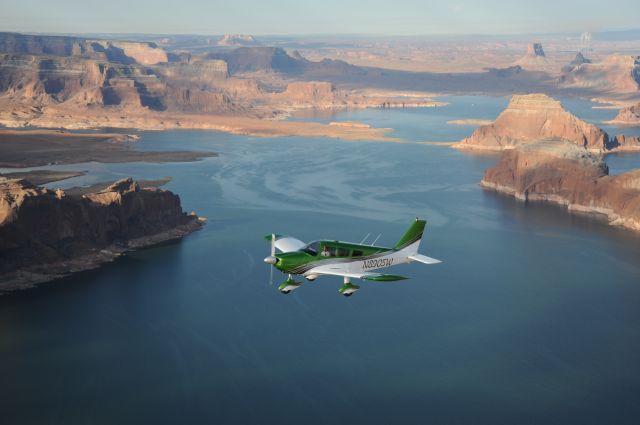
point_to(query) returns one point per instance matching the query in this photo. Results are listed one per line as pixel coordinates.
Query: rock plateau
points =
(530, 118)
(616, 74)
(45, 234)
(563, 173)
(628, 116)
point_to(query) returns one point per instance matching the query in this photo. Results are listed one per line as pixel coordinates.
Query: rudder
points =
(413, 235)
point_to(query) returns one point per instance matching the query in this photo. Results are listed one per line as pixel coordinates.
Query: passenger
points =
(325, 251)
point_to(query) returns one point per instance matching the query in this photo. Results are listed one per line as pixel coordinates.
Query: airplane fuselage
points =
(367, 258)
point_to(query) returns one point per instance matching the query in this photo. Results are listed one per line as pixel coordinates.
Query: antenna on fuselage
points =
(376, 240)
(365, 238)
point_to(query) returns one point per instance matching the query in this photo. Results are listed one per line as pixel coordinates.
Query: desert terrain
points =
(242, 85)
(53, 88)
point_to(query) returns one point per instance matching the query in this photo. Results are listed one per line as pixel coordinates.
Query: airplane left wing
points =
(286, 243)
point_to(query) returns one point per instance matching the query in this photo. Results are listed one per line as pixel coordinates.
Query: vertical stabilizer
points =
(413, 235)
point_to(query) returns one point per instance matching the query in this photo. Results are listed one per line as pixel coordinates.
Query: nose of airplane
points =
(271, 260)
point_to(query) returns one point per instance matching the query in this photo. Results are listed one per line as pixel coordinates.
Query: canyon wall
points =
(563, 173)
(45, 234)
(616, 74)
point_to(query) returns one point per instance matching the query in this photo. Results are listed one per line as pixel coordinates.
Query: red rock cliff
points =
(532, 117)
(44, 234)
(566, 174)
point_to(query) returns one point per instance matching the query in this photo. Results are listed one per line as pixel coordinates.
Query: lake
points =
(531, 318)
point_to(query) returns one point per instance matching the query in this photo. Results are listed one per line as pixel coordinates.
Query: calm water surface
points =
(532, 318)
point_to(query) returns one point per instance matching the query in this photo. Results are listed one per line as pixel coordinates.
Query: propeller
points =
(271, 260)
(273, 245)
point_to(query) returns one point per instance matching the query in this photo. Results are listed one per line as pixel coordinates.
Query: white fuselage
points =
(391, 258)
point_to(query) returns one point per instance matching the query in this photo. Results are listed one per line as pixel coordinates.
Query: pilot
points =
(325, 251)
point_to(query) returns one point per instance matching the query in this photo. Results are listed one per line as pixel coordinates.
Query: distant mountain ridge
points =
(276, 59)
(124, 52)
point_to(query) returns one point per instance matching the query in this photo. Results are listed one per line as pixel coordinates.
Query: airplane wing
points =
(286, 243)
(423, 259)
(339, 271)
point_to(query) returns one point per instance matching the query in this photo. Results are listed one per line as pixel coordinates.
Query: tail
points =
(412, 237)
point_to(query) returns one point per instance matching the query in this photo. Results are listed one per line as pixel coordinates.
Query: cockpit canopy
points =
(332, 249)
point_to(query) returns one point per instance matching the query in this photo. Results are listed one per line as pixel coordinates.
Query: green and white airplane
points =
(348, 260)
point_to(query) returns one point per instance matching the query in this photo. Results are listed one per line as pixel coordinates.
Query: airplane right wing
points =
(338, 271)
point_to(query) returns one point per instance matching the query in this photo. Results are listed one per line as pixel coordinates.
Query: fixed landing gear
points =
(348, 289)
(288, 285)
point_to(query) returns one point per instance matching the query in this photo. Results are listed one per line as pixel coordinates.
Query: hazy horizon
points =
(285, 17)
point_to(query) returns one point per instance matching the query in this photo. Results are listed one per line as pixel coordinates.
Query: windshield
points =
(312, 248)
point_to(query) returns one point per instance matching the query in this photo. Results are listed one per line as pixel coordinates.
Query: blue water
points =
(532, 317)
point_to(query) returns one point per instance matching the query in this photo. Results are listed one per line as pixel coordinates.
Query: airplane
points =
(348, 260)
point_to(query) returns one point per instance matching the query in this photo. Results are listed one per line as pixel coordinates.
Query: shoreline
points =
(62, 118)
(621, 123)
(491, 149)
(613, 218)
(470, 121)
(46, 147)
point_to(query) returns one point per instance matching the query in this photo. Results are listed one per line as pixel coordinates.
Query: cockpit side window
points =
(328, 251)
(343, 252)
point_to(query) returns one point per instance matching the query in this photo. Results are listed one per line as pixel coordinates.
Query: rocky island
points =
(46, 234)
(562, 173)
(529, 118)
(548, 154)
(628, 116)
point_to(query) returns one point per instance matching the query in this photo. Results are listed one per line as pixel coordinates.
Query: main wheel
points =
(285, 292)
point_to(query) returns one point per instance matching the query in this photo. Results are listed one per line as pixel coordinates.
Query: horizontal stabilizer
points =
(423, 259)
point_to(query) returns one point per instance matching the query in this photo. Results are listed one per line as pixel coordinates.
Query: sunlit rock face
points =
(629, 115)
(529, 118)
(616, 74)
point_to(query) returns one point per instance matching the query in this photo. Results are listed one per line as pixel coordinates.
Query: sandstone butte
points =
(47, 234)
(532, 117)
(535, 59)
(563, 173)
(628, 116)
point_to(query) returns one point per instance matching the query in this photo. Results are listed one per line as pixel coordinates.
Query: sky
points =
(300, 17)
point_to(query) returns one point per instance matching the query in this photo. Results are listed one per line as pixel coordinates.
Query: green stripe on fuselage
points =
(292, 262)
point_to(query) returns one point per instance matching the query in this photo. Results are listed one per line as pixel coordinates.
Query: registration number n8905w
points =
(377, 263)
